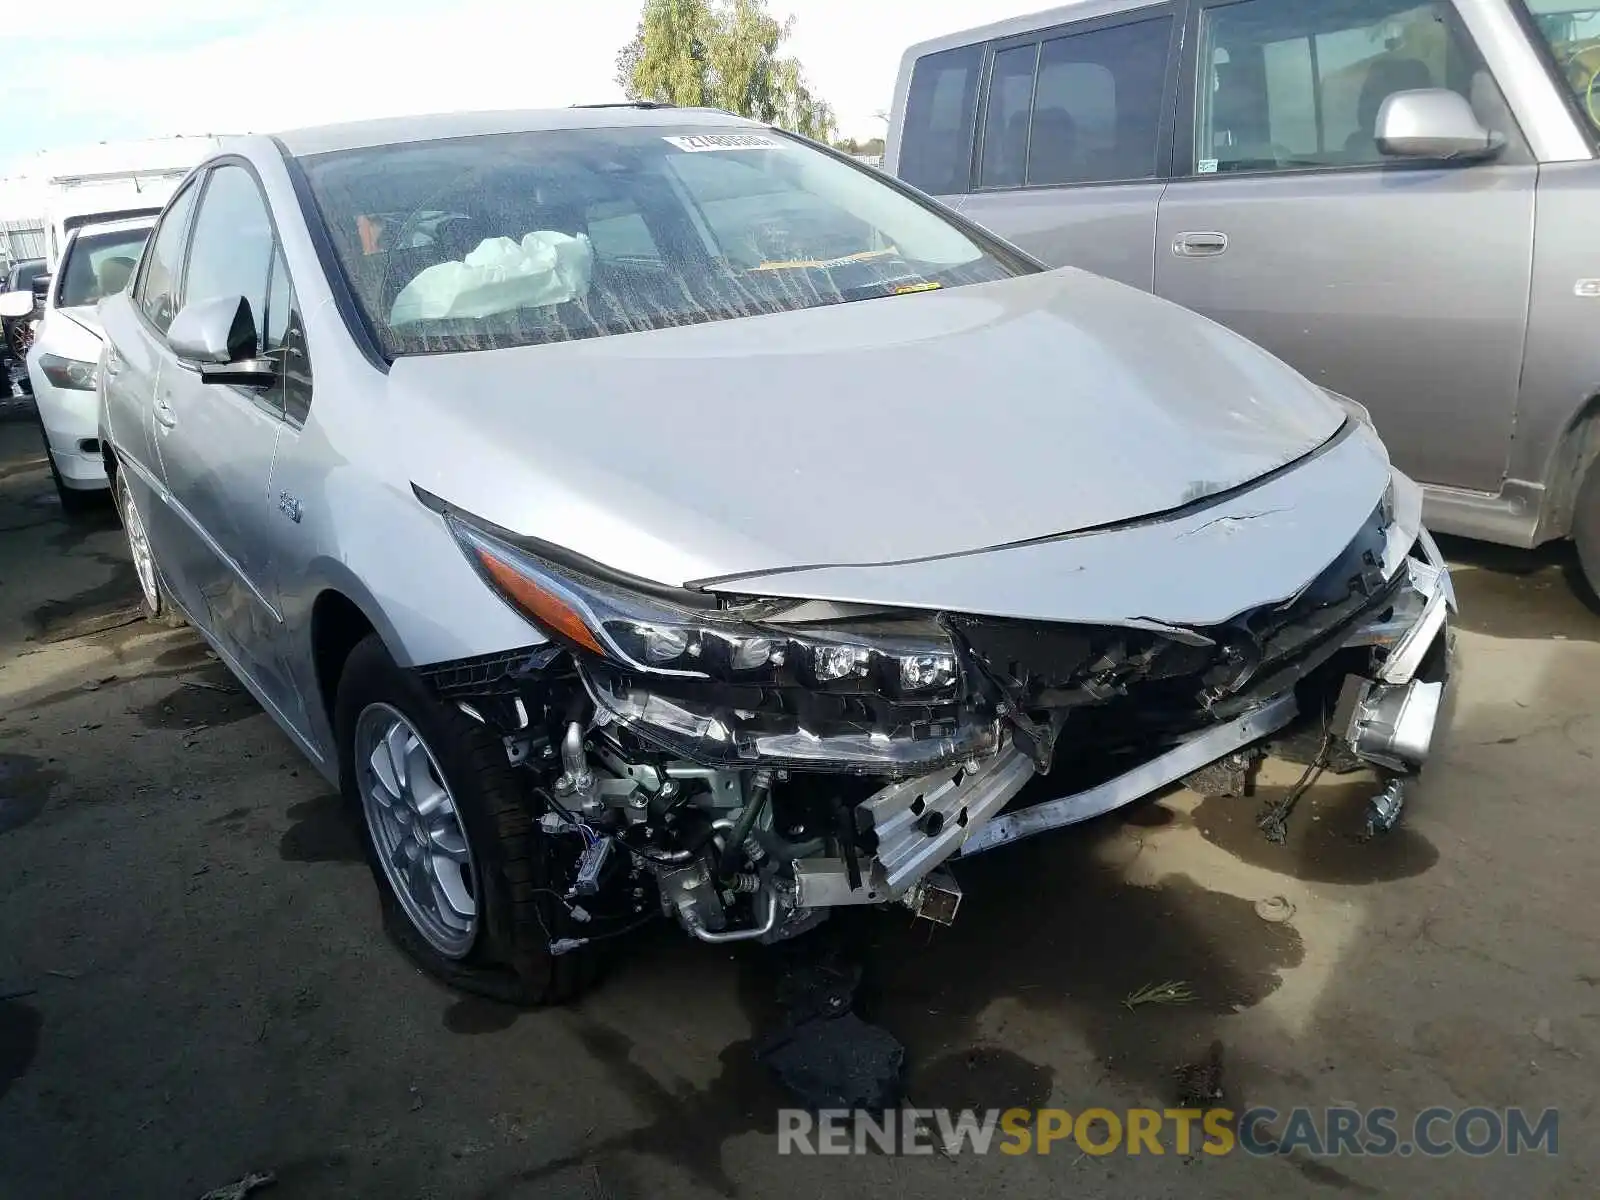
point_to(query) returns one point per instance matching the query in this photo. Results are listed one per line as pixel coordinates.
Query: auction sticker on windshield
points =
(698, 142)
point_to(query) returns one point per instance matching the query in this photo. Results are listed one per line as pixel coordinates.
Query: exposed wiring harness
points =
(1275, 821)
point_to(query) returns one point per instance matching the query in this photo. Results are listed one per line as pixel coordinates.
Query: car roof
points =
(389, 131)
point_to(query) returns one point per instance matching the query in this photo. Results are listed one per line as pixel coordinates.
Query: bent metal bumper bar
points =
(1388, 720)
(1187, 757)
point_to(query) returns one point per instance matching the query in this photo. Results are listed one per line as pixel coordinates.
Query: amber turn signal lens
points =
(544, 607)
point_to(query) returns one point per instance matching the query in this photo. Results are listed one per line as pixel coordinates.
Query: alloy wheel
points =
(416, 830)
(144, 563)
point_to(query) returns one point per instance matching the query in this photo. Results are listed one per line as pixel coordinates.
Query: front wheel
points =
(466, 877)
(74, 502)
(1586, 530)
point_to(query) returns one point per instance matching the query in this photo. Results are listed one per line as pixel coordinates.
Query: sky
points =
(85, 71)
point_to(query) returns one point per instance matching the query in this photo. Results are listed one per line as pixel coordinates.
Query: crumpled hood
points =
(930, 424)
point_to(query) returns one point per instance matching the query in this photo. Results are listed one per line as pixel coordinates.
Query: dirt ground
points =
(198, 985)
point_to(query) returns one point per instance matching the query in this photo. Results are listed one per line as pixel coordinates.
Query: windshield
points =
(515, 239)
(99, 265)
(1573, 33)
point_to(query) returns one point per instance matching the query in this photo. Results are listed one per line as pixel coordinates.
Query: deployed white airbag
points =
(500, 275)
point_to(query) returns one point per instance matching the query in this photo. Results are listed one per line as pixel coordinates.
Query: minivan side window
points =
(1005, 122)
(1082, 107)
(936, 136)
(1298, 84)
(157, 290)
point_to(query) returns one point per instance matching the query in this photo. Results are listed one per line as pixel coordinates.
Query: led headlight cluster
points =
(909, 660)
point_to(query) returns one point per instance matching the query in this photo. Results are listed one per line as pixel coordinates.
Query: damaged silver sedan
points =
(641, 512)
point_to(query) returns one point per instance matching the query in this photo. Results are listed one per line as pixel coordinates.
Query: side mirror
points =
(41, 289)
(15, 304)
(219, 336)
(1434, 123)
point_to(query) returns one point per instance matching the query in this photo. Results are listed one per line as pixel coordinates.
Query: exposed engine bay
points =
(755, 763)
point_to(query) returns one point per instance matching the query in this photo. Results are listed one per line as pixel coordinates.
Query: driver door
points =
(218, 445)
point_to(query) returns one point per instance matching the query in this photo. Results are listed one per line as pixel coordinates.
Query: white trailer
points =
(111, 180)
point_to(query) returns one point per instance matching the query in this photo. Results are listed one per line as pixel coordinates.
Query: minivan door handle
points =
(1199, 245)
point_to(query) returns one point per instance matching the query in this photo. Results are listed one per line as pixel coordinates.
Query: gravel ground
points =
(198, 985)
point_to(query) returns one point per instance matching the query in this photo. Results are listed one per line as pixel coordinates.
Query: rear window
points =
(515, 239)
(23, 276)
(98, 265)
(936, 135)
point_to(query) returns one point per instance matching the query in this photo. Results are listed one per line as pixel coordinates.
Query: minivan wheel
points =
(465, 875)
(157, 605)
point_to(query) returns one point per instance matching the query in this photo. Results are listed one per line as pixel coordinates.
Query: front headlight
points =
(908, 658)
(747, 684)
(71, 374)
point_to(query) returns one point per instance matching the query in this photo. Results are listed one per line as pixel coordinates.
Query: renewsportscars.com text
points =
(1320, 1132)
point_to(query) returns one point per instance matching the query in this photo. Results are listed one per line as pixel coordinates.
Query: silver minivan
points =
(1395, 197)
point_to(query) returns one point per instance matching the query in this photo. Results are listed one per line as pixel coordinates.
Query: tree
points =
(721, 54)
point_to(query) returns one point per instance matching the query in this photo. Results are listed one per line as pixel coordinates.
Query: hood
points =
(86, 315)
(936, 423)
(74, 332)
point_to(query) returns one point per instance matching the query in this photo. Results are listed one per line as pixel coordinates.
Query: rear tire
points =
(510, 861)
(153, 598)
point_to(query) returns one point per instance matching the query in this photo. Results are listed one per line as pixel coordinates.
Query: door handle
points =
(1199, 245)
(164, 415)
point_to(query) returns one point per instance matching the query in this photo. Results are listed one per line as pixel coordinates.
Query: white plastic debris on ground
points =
(500, 275)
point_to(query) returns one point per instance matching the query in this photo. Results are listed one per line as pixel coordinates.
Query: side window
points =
(1080, 108)
(286, 342)
(936, 135)
(1299, 84)
(231, 252)
(157, 292)
(1097, 107)
(1005, 124)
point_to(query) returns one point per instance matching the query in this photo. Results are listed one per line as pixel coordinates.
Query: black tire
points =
(159, 608)
(74, 502)
(517, 913)
(1586, 532)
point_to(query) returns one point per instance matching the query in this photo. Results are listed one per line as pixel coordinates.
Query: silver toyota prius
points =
(638, 511)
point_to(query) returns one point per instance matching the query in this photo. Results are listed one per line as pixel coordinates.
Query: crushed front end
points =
(751, 763)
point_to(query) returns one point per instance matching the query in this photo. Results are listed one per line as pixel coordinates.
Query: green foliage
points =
(721, 54)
